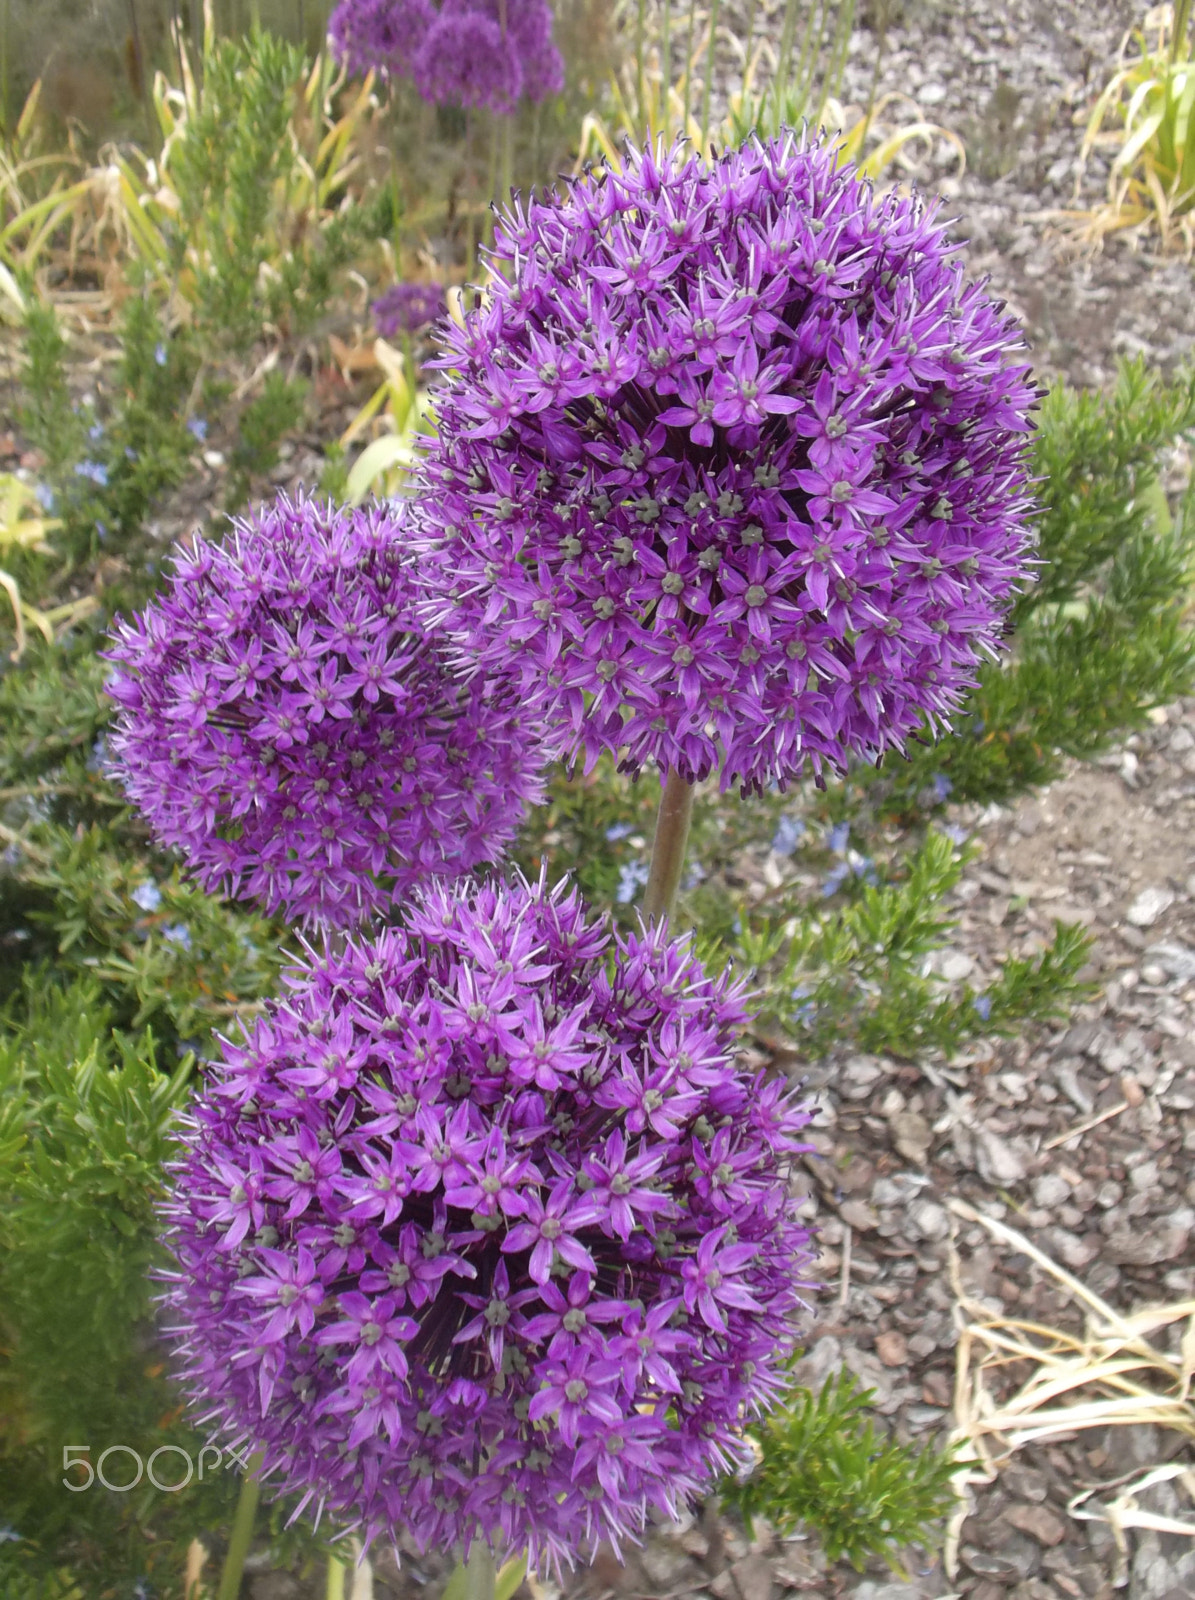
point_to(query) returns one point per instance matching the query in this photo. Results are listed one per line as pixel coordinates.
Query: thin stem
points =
(479, 1573)
(747, 74)
(668, 848)
(881, 46)
(470, 219)
(688, 67)
(707, 89)
(811, 47)
(141, 67)
(242, 1531)
(1182, 15)
(640, 65)
(4, 22)
(784, 64)
(473, 1579)
(666, 72)
(838, 53)
(334, 1588)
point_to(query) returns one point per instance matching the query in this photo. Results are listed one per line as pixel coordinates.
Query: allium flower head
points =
(484, 1233)
(379, 35)
(730, 458)
(407, 307)
(467, 53)
(289, 724)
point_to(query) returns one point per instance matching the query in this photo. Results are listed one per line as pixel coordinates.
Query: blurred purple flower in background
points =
(730, 460)
(407, 307)
(484, 1233)
(469, 53)
(287, 722)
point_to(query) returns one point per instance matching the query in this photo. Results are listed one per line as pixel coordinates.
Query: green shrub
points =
(1101, 637)
(823, 1466)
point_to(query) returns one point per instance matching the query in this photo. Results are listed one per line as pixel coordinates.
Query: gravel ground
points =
(1017, 80)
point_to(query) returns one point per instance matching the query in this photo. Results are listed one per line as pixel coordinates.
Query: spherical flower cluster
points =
(407, 308)
(462, 52)
(730, 458)
(483, 1233)
(288, 722)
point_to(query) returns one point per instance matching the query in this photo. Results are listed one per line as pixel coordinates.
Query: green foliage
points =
(232, 151)
(48, 416)
(263, 423)
(1101, 637)
(1151, 181)
(857, 970)
(824, 1467)
(260, 232)
(83, 1134)
(107, 470)
(594, 828)
(334, 480)
(173, 957)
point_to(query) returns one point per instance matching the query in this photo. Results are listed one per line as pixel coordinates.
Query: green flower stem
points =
(708, 86)
(473, 1579)
(666, 72)
(242, 1531)
(668, 848)
(334, 1589)
(684, 127)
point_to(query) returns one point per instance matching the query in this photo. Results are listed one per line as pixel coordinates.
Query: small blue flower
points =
(148, 897)
(8, 1534)
(863, 867)
(632, 877)
(618, 830)
(45, 496)
(93, 470)
(98, 759)
(956, 834)
(129, 453)
(835, 880)
(789, 830)
(983, 1004)
(160, 355)
(837, 837)
(198, 427)
(101, 530)
(178, 933)
(694, 876)
(804, 1014)
(943, 787)
(96, 431)
(977, 726)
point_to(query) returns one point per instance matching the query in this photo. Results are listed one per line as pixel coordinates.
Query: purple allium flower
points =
(379, 35)
(407, 307)
(288, 722)
(485, 1233)
(464, 52)
(730, 459)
